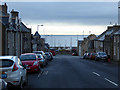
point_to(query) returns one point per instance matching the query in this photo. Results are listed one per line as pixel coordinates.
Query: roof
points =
(28, 54)
(24, 28)
(109, 31)
(37, 34)
(118, 32)
(6, 57)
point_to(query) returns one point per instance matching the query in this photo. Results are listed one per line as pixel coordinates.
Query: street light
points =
(38, 27)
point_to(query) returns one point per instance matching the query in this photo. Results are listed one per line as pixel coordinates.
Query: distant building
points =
(87, 45)
(38, 43)
(116, 46)
(104, 42)
(79, 47)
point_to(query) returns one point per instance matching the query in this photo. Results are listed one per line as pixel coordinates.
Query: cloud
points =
(82, 12)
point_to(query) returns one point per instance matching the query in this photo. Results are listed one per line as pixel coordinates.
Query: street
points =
(66, 71)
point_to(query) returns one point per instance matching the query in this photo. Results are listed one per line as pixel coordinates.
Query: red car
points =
(52, 51)
(30, 61)
(92, 56)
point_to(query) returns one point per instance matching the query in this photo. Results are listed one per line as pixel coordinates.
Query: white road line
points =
(96, 74)
(40, 73)
(46, 72)
(111, 82)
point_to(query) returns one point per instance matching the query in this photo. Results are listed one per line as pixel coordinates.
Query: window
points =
(6, 63)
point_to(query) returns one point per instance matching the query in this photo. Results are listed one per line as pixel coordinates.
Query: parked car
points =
(12, 71)
(101, 56)
(93, 56)
(42, 53)
(74, 54)
(31, 62)
(49, 55)
(3, 85)
(41, 60)
(52, 50)
(85, 56)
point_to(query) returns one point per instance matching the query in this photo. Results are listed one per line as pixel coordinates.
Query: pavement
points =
(67, 71)
(111, 61)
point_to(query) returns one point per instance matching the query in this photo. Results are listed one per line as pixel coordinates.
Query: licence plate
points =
(3, 76)
(27, 67)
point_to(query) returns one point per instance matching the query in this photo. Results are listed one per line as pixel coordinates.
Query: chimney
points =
(109, 27)
(4, 8)
(14, 14)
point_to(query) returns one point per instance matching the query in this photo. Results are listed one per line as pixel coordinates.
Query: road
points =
(67, 71)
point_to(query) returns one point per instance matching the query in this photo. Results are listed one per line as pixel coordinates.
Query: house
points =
(116, 46)
(79, 47)
(38, 43)
(87, 45)
(16, 37)
(104, 42)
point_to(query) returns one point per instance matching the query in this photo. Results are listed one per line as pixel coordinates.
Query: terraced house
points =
(106, 42)
(16, 37)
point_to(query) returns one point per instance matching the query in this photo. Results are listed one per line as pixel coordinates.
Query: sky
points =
(67, 18)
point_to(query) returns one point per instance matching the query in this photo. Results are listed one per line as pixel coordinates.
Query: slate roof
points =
(37, 34)
(101, 37)
(118, 32)
(5, 21)
(24, 28)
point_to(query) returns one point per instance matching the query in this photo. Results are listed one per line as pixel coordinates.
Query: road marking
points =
(96, 74)
(46, 72)
(40, 73)
(111, 82)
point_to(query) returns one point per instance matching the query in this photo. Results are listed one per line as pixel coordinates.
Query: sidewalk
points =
(115, 62)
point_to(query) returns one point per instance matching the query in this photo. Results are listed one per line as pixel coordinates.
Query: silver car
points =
(12, 71)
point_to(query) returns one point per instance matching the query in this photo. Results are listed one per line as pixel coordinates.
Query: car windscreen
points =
(6, 63)
(39, 56)
(27, 57)
(102, 53)
(47, 54)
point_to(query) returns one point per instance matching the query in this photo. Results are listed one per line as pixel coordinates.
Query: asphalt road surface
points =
(67, 71)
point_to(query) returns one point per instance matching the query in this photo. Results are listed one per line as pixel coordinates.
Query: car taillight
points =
(15, 68)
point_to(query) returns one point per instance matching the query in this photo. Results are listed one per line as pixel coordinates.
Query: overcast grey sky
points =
(67, 17)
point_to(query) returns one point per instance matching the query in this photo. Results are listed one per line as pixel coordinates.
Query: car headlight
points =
(35, 63)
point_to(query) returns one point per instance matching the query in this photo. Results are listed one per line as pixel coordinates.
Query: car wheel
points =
(26, 81)
(21, 84)
(39, 70)
(46, 63)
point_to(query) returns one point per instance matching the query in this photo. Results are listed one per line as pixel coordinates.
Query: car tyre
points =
(20, 85)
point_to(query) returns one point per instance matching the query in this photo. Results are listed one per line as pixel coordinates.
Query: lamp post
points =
(38, 27)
